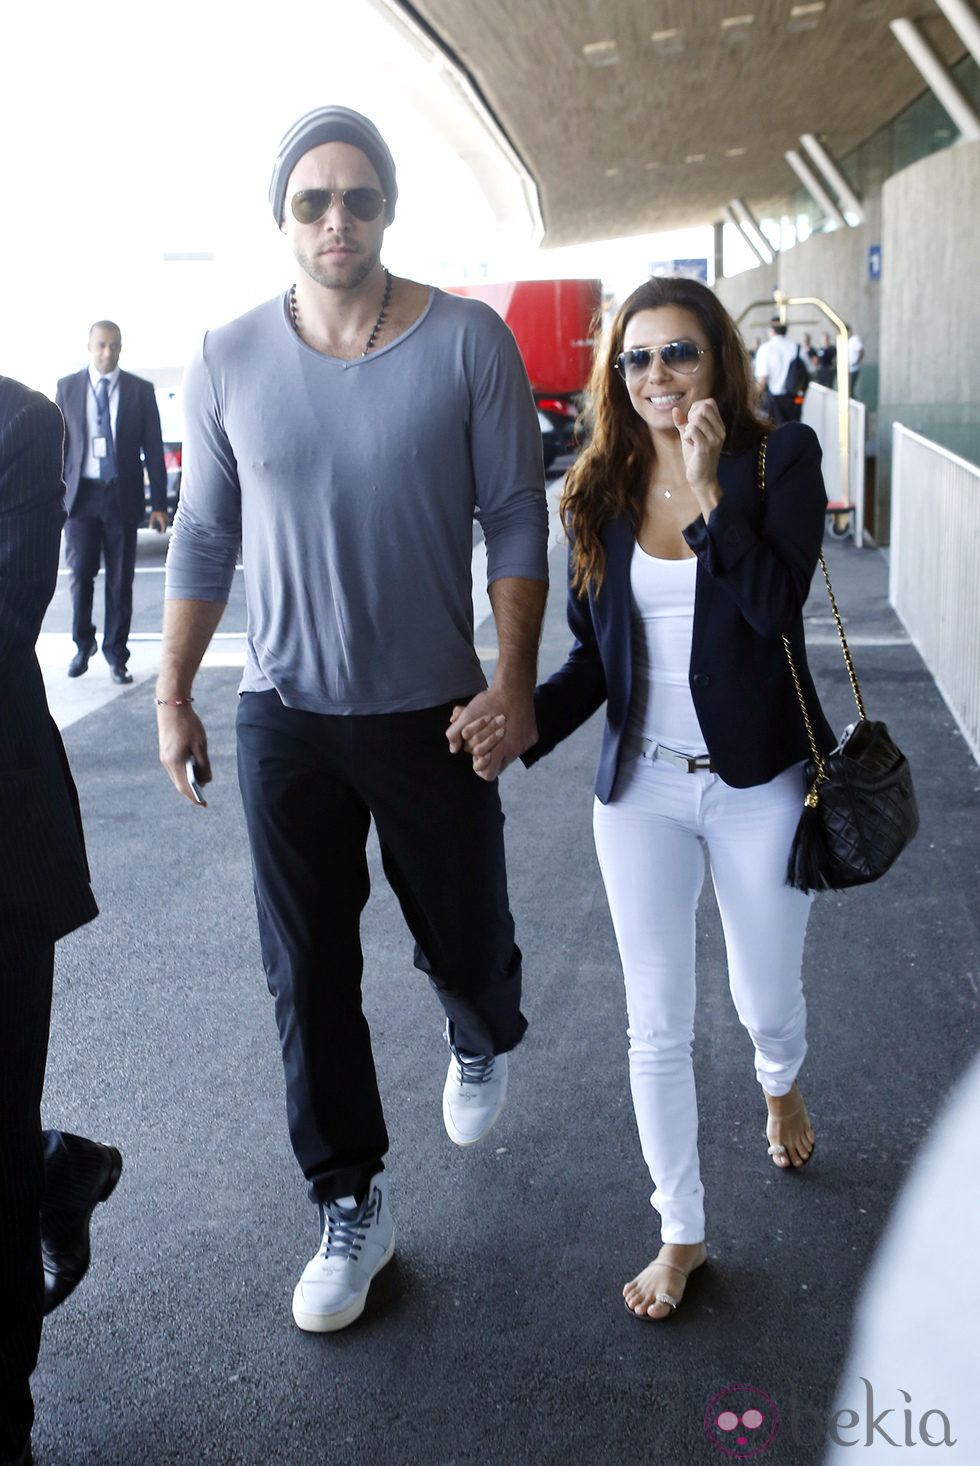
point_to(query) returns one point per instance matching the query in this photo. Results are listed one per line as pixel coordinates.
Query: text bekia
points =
(894, 1425)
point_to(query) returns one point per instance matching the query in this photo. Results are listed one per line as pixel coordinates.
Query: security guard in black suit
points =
(50, 1182)
(112, 428)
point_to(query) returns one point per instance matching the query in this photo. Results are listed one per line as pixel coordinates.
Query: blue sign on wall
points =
(874, 261)
(690, 269)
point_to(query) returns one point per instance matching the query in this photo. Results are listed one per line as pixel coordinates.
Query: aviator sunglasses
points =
(677, 356)
(310, 204)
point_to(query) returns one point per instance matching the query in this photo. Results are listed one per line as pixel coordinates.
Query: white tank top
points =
(662, 610)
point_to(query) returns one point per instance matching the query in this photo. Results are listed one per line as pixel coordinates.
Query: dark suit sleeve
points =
(70, 397)
(31, 516)
(44, 882)
(151, 441)
(763, 553)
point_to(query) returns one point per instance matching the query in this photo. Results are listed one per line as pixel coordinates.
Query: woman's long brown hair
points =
(602, 484)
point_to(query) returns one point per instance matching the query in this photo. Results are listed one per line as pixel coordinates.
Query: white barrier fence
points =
(934, 568)
(821, 413)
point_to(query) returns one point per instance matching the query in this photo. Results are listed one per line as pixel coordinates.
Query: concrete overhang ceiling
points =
(633, 116)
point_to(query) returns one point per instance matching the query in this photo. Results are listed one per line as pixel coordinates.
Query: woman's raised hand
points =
(702, 435)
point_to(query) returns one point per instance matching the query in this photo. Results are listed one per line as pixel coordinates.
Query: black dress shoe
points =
(120, 675)
(79, 662)
(65, 1219)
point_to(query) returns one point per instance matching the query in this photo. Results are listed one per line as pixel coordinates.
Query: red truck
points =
(553, 322)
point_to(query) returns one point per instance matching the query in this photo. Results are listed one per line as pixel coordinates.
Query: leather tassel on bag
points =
(808, 852)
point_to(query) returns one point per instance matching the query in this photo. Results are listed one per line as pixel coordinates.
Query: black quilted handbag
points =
(860, 811)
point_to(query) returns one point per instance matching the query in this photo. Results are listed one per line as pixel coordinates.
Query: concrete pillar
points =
(815, 188)
(833, 175)
(964, 23)
(947, 93)
(743, 218)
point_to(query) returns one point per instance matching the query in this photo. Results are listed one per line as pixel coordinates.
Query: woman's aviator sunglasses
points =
(677, 356)
(310, 204)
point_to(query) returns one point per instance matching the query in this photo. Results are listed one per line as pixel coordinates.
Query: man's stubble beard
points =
(348, 276)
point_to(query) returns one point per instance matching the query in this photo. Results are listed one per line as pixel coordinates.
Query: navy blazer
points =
(755, 563)
(44, 879)
(138, 438)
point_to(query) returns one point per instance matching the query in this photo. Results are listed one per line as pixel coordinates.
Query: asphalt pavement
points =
(498, 1334)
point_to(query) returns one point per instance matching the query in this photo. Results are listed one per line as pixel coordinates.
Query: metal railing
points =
(934, 568)
(821, 410)
(781, 302)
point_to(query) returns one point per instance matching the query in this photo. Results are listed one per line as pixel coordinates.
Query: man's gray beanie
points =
(332, 125)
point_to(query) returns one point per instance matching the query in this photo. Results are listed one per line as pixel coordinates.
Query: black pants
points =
(784, 408)
(40, 1170)
(310, 785)
(92, 531)
(26, 968)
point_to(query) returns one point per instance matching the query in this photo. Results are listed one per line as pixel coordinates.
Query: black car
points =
(172, 427)
(557, 417)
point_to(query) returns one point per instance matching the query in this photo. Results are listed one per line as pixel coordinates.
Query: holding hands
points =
(479, 737)
(497, 725)
(492, 733)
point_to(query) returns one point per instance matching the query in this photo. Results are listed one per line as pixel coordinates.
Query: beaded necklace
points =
(294, 311)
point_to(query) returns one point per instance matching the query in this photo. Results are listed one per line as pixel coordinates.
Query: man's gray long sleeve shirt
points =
(352, 487)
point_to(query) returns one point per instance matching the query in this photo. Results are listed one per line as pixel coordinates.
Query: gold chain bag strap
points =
(860, 810)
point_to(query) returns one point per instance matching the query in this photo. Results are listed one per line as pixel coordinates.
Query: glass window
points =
(924, 127)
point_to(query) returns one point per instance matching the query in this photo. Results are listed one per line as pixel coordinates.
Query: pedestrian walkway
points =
(497, 1334)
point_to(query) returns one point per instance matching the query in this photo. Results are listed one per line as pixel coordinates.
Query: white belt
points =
(681, 761)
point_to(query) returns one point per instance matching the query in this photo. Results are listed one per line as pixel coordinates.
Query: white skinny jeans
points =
(651, 840)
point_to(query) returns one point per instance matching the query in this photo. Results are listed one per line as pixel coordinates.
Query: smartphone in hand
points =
(190, 768)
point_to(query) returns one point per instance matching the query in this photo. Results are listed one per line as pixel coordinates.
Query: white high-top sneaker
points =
(474, 1093)
(358, 1239)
